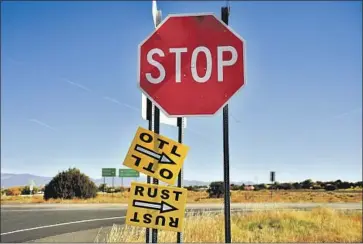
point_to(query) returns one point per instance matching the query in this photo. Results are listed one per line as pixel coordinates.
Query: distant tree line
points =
(109, 189)
(74, 184)
(216, 189)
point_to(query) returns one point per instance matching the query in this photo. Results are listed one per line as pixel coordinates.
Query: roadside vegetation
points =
(317, 225)
(72, 186)
(203, 197)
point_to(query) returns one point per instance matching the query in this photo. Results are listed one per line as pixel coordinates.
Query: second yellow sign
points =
(156, 156)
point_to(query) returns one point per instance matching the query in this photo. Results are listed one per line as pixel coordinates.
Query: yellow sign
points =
(157, 207)
(156, 156)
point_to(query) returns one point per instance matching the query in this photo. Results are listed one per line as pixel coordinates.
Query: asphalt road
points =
(24, 223)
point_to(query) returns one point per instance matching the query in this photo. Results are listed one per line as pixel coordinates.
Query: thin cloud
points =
(120, 103)
(42, 124)
(77, 85)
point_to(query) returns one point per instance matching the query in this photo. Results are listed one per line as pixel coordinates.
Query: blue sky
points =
(69, 93)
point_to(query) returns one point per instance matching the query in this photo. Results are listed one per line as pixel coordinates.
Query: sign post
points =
(108, 172)
(272, 179)
(179, 235)
(191, 65)
(157, 21)
(227, 194)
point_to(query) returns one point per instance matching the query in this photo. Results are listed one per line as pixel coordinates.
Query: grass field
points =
(202, 197)
(317, 225)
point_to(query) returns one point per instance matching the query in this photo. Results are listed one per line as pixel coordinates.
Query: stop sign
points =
(191, 65)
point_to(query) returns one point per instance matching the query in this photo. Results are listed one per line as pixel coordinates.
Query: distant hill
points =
(9, 180)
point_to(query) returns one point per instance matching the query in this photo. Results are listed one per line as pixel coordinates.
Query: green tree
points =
(102, 187)
(344, 185)
(307, 184)
(25, 190)
(358, 184)
(216, 189)
(330, 187)
(235, 187)
(285, 186)
(70, 184)
(261, 186)
(297, 185)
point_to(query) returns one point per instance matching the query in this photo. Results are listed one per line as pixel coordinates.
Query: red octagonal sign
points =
(191, 65)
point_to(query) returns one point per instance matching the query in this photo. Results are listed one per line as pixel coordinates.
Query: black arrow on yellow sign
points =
(162, 158)
(162, 206)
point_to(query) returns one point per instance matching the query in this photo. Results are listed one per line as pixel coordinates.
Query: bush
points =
(358, 184)
(317, 187)
(261, 187)
(344, 185)
(285, 186)
(70, 184)
(330, 187)
(235, 187)
(307, 184)
(25, 190)
(13, 191)
(296, 186)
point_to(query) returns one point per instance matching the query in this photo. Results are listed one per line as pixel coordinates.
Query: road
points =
(24, 223)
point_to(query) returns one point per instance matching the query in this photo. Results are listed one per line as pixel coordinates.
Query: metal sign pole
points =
(227, 202)
(113, 185)
(179, 235)
(149, 116)
(104, 185)
(156, 181)
(156, 123)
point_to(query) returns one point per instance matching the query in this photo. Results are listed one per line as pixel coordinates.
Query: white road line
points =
(61, 224)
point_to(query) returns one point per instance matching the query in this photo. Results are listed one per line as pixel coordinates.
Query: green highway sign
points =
(108, 172)
(128, 173)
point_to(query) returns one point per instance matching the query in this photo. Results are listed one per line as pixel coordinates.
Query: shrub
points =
(358, 184)
(330, 187)
(235, 187)
(344, 185)
(317, 187)
(296, 186)
(13, 191)
(307, 184)
(25, 190)
(285, 186)
(261, 187)
(70, 184)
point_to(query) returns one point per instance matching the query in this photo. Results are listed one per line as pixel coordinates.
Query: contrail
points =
(42, 124)
(77, 85)
(120, 103)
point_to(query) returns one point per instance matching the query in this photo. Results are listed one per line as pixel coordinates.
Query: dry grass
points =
(202, 197)
(318, 225)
